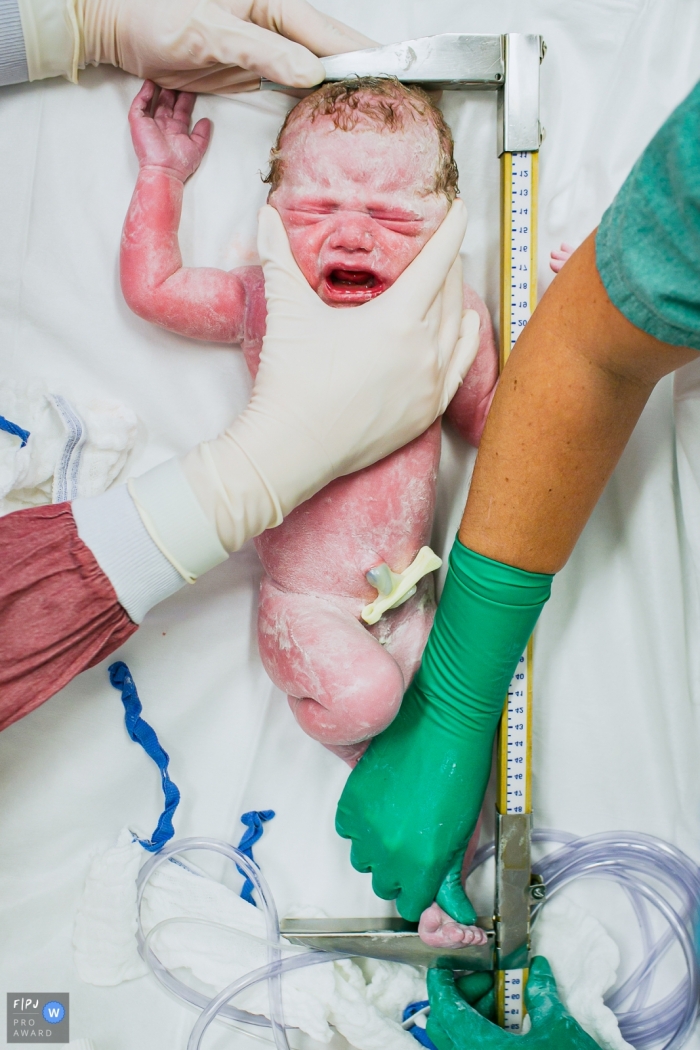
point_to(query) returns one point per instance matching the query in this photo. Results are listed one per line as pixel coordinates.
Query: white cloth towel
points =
(584, 960)
(361, 999)
(74, 448)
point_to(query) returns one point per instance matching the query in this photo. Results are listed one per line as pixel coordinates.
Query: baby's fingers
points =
(184, 104)
(142, 103)
(201, 133)
(164, 106)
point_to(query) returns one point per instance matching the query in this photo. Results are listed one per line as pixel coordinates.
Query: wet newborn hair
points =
(382, 101)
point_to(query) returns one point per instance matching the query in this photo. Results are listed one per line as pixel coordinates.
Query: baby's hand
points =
(164, 140)
(558, 258)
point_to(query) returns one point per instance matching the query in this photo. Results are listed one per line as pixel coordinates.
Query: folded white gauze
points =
(362, 1000)
(72, 448)
(584, 960)
(336, 390)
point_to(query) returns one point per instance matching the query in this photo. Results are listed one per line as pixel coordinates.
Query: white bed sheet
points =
(618, 650)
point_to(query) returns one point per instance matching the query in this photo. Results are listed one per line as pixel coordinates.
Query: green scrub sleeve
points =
(412, 802)
(648, 242)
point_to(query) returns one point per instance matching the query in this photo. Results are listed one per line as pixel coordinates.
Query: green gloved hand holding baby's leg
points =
(454, 1025)
(413, 800)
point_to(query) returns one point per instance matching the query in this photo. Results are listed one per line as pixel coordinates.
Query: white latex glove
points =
(195, 45)
(336, 390)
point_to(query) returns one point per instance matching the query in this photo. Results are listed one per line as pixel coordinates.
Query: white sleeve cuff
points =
(51, 38)
(175, 521)
(111, 527)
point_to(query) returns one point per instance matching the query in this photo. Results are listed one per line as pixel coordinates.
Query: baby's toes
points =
(471, 935)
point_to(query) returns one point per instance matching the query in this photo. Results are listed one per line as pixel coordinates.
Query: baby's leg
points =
(344, 686)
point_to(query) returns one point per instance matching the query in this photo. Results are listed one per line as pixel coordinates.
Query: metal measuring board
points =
(393, 939)
(519, 183)
(457, 61)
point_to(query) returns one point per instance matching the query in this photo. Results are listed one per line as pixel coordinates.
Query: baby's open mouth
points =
(343, 287)
(361, 279)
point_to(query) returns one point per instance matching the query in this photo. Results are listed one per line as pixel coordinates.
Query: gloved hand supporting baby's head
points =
(362, 175)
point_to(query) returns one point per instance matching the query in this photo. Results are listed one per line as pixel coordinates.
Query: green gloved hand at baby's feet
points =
(455, 1025)
(412, 802)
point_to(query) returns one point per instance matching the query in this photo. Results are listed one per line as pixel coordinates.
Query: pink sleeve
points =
(59, 614)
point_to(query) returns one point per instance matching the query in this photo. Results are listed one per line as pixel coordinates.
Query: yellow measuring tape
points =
(514, 762)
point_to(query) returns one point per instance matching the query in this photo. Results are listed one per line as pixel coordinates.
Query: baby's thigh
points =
(403, 632)
(318, 651)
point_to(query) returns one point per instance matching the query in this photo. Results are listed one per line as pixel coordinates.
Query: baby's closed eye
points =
(409, 226)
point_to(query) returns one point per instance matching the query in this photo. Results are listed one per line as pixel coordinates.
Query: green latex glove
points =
(413, 800)
(454, 1025)
(478, 990)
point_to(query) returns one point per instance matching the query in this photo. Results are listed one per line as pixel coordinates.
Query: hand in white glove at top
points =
(336, 390)
(218, 46)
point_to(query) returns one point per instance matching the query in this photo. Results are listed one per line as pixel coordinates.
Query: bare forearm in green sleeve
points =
(567, 403)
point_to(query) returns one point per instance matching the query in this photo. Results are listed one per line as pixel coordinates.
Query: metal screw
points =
(538, 890)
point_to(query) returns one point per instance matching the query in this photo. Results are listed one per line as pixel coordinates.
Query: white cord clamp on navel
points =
(395, 588)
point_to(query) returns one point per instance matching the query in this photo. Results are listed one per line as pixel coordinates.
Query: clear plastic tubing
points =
(271, 973)
(653, 874)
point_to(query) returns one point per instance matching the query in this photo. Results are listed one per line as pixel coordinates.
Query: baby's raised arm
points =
(470, 406)
(203, 303)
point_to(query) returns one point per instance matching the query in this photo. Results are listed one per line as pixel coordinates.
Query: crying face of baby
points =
(358, 210)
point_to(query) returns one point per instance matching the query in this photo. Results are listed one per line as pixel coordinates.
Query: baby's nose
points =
(352, 236)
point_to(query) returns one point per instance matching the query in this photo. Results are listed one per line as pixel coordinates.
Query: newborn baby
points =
(362, 175)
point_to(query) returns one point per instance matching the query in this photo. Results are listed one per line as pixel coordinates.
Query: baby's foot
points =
(558, 258)
(350, 753)
(438, 930)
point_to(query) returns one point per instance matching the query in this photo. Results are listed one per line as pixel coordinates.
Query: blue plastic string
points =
(254, 821)
(416, 1031)
(143, 734)
(12, 428)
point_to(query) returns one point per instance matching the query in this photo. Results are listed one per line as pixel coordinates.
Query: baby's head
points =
(362, 175)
